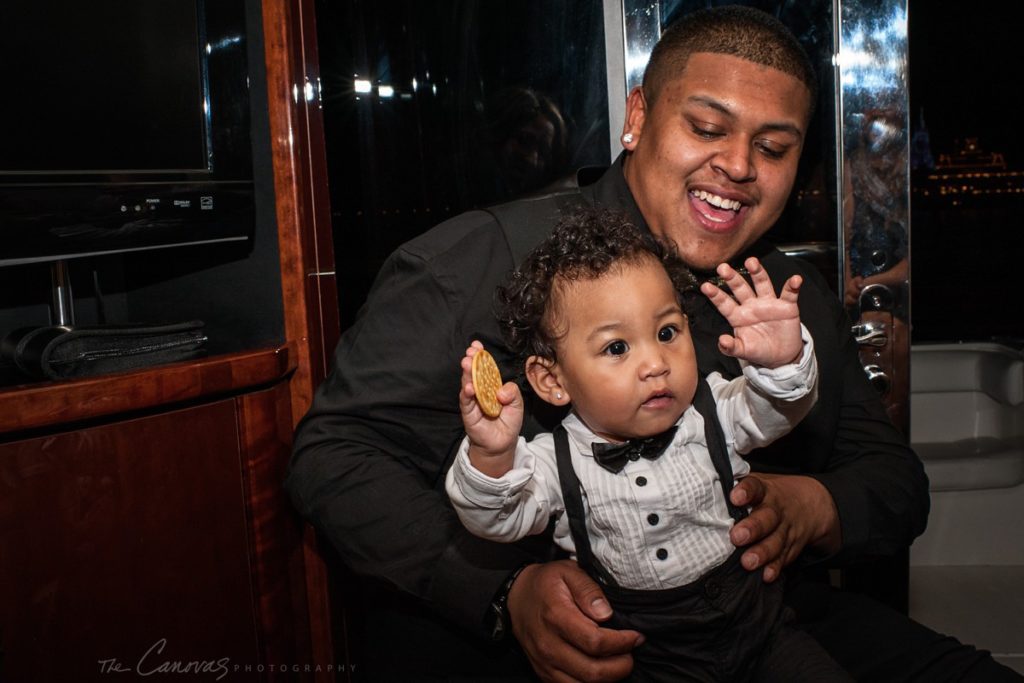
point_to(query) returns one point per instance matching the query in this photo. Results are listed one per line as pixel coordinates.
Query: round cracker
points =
(486, 382)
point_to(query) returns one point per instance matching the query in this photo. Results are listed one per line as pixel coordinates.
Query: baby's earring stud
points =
(558, 395)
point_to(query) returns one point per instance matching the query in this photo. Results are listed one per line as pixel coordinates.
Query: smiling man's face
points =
(714, 158)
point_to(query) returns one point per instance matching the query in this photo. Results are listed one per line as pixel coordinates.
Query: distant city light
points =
(385, 91)
(363, 86)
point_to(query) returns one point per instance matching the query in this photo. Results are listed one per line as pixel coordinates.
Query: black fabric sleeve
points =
(371, 454)
(876, 480)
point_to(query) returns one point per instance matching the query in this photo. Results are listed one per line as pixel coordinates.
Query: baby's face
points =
(625, 355)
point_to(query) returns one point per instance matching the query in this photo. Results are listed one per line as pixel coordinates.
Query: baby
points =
(638, 474)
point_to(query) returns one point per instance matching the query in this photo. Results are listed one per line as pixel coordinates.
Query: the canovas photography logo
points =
(154, 662)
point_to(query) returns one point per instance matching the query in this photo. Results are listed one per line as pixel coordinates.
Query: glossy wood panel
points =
(307, 257)
(274, 528)
(53, 403)
(121, 538)
(171, 529)
(300, 180)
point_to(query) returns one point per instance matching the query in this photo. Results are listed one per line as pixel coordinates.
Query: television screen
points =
(111, 86)
(126, 126)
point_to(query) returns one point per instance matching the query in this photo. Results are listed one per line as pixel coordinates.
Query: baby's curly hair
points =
(584, 245)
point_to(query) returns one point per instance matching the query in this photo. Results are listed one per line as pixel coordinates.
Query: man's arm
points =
(370, 455)
(878, 483)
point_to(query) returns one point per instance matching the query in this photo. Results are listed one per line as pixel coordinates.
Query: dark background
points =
(965, 76)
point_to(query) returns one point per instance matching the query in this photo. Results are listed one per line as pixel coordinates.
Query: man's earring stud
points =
(627, 138)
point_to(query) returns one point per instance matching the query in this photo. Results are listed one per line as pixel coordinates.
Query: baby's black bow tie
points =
(613, 457)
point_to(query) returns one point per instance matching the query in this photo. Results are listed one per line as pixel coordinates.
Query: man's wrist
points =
(829, 538)
(498, 616)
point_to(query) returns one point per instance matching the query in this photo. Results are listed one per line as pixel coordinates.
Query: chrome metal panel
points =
(615, 56)
(642, 28)
(873, 170)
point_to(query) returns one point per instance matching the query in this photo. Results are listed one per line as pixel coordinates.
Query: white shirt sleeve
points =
(517, 504)
(764, 404)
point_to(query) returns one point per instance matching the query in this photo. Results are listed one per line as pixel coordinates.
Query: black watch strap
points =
(499, 619)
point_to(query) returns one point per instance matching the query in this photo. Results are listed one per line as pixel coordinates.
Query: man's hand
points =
(789, 513)
(555, 609)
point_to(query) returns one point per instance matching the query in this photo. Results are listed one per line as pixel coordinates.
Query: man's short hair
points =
(742, 32)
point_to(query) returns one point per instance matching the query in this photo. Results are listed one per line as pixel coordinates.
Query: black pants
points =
(878, 644)
(728, 626)
(875, 643)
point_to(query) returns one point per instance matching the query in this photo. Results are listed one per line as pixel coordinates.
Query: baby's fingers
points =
(762, 283)
(509, 394)
(791, 290)
(467, 359)
(725, 304)
(730, 346)
(737, 285)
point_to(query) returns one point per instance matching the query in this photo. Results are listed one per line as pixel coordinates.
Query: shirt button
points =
(641, 481)
(661, 554)
(652, 519)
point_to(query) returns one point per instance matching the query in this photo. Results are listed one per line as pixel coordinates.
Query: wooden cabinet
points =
(150, 533)
(143, 524)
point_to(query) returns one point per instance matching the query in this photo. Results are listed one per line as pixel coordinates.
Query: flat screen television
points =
(126, 126)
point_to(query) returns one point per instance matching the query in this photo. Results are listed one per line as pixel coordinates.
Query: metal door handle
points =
(879, 380)
(876, 297)
(870, 334)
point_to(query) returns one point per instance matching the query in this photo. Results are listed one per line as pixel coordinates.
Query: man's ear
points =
(542, 374)
(636, 114)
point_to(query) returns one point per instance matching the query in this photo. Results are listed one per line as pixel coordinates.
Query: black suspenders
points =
(704, 402)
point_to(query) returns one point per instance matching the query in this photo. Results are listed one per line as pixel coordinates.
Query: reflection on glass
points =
(876, 224)
(872, 60)
(522, 145)
(434, 108)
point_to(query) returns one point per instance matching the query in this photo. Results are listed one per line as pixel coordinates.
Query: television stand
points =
(21, 347)
(61, 350)
(62, 312)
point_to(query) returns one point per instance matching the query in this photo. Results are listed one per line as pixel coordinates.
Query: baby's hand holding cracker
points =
(492, 412)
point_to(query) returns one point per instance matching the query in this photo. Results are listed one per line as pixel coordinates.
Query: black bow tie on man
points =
(613, 457)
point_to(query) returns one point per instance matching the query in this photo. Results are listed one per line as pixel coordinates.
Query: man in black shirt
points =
(712, 140)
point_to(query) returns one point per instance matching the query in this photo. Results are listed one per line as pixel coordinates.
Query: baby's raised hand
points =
(766, 328)
(489, 435)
